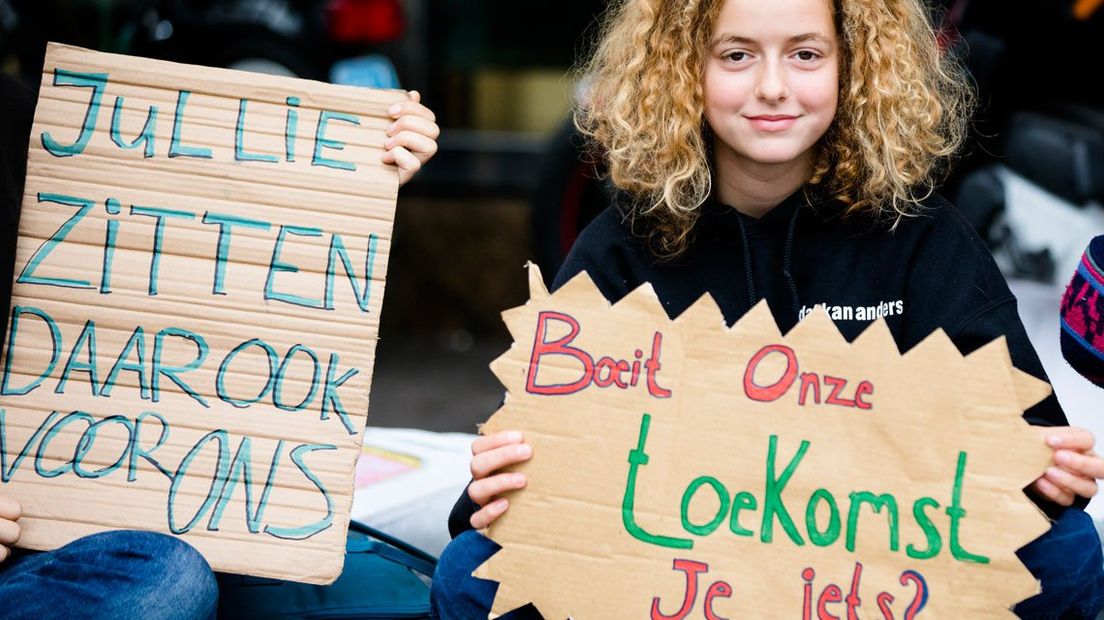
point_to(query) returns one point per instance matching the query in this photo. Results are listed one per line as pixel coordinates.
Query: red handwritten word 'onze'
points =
(604, 372)
(810, 383)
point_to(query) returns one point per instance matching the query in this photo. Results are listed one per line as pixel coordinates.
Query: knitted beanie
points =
(1082, 315)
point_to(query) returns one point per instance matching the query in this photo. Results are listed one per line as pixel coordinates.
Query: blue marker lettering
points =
(239, 139)
(158, 369)
(158, 236)
(87, 338)
(175, 148)
(9, 352)
(225, 223)
(338, 253)
(306, 531)
(220, 383)
(275, 266)
(321, 141)
(27, 275)
(136, 342)
(144, 137)
(98, 82)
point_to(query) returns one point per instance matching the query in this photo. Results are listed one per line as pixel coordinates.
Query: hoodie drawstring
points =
(787, 260)
(752, 297)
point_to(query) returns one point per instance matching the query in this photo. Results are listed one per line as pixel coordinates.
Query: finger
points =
(1086, 465)
(406, 161)
(422, 147)
(4, 553)
(497, 440)
(9, 532)
(414, 108)
(486, 463)
(486, 515)
(415, 96)
(1050, 491)
(10, 509)
(416, 124)
(1075, 484)
(1069, 437)
(483, 490)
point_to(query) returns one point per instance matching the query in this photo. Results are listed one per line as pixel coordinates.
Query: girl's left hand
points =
(412, 138)
(1076, 467)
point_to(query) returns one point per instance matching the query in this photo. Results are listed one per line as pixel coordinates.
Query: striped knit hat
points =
(1083, 315)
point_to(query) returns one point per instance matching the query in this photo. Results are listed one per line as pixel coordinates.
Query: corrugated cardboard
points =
(195, 311)
(677, 454)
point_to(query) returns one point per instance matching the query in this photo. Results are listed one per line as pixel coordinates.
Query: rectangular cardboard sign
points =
(198, 283)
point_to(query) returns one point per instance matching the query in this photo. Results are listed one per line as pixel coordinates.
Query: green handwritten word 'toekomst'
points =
(774, 509)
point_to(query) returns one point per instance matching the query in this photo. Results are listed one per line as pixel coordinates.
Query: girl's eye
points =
(807, 55)
(737, 56)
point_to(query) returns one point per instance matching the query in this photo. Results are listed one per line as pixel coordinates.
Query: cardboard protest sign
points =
(682, 469)
(197, 292)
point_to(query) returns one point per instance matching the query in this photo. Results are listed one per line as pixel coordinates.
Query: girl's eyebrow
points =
(729, 37)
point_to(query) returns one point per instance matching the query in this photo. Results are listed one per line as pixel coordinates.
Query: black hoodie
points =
(931, 271)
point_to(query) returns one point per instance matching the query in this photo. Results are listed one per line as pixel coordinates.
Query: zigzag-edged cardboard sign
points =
(685, 469)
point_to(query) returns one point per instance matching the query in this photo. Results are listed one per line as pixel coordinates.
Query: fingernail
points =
(390, 142)
(501, 504)
(513, 436)
(1062, 457)
(524, 450)
(395, 109)
(1053, 471)
(1054, 440)
(518, 479)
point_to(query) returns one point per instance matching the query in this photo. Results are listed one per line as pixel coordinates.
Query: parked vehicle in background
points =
(343, 41)
(340, 41)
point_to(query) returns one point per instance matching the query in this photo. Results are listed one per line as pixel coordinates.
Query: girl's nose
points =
(772, 85)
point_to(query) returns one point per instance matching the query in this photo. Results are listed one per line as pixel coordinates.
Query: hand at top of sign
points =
(412, 137)
(489, 455)
(1076, 466)
(10, 512)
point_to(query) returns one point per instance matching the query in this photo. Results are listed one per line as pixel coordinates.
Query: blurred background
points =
(510, 183)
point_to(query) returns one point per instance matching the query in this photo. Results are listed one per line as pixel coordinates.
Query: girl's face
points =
(771, 80)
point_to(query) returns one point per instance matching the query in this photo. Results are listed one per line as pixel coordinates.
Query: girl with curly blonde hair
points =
(788, 150)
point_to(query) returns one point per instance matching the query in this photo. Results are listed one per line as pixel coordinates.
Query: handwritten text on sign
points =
(682, 469)
(197, 293)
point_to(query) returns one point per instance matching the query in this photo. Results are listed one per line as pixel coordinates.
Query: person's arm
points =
(10, 511)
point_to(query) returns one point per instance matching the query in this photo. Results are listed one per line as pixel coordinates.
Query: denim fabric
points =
(1067, 559)
(456, 595)
(120, 574)
(1069, 563)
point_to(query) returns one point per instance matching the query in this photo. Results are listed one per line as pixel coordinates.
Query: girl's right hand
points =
(489, 455)
(10, 511)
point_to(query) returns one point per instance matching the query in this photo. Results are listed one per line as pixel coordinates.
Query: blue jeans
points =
(1067, 560)
(119, 574)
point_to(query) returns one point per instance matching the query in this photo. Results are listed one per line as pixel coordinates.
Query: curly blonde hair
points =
(903, 110)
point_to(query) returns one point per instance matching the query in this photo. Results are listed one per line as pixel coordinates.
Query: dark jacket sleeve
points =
(16, 115)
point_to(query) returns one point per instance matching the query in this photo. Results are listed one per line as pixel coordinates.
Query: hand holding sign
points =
(490, 454)
(412, 138)
(1076, 466)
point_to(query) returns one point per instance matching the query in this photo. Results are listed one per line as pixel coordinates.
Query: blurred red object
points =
(365, 21)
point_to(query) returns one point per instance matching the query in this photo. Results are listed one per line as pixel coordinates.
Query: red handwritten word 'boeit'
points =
(604, 372)
(835, 387)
